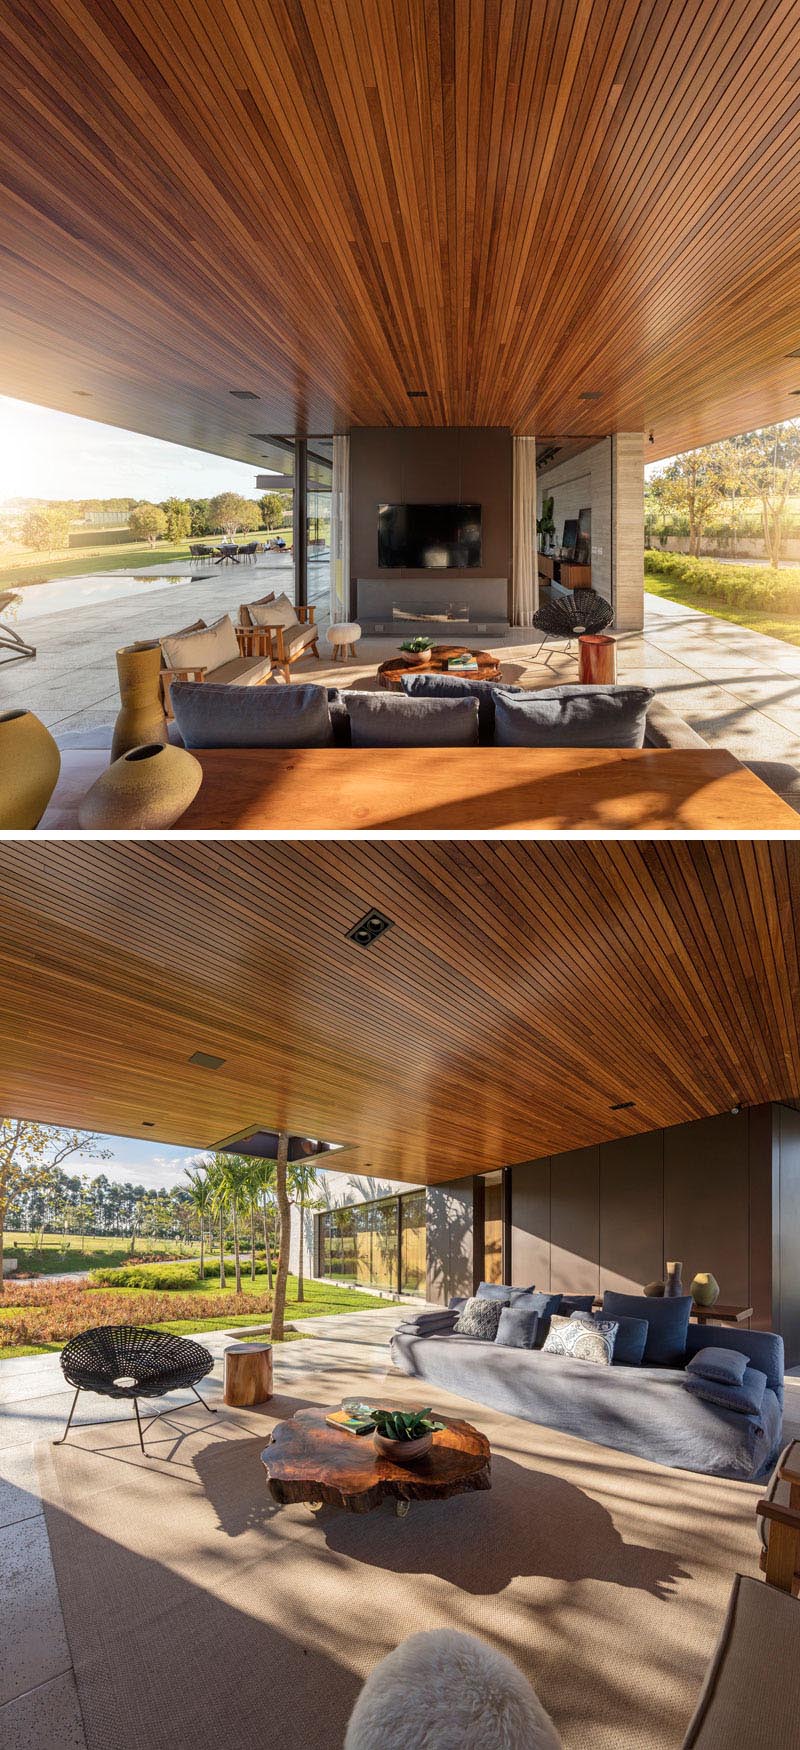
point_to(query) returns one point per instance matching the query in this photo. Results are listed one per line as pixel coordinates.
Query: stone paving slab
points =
(46, 1718)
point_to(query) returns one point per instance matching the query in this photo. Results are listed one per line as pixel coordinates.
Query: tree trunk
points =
(236, 1260)
(221, 1249)
(284, 1235)
(267, 1242)
(252, 1241)
(202, 1251)
(300, 1294)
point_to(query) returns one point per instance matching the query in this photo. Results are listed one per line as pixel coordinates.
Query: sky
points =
(139, 1163)
(45, 454)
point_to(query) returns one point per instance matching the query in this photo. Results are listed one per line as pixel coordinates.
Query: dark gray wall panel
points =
(530, 1224)
(574, 1221)
(631, 1212)
(706, 1201)
(787, 1286)
(428, 465)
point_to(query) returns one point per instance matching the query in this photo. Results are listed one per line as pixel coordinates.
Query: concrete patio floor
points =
(39, 1707)
(739, 689)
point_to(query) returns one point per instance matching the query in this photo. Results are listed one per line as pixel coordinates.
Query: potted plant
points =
(545, 526)
(417, 650)
(404, 1435)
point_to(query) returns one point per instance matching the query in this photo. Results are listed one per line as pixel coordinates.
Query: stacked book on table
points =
(466, 664)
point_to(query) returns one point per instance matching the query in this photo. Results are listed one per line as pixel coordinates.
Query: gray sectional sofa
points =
(643, 1410)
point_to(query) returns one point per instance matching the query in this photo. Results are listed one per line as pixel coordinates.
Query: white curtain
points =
(340, 531)
(525, 573)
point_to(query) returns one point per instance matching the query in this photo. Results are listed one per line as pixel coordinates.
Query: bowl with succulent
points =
(404, 1435)
(417, 651)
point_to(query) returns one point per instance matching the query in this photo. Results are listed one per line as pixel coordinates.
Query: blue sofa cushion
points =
(455, 686)
(630, 1341)
(501, 1291)
(479, 1319)
(208, 715)
(572, 716)
(572, 1303)
(518, 1327)
(394, 720)
(726, 1365)
(747, 1397)
(543, 1304)
(667, 1320)
(764, 1349)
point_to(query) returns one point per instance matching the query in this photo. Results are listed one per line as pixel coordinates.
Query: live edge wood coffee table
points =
(307, 1460)
(390, 674)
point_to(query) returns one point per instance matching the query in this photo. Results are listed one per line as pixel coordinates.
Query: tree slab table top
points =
(307, 1460)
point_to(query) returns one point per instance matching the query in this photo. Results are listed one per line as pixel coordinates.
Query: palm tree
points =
(231, 1193)
(264, 1185)
(284, 1237)
(200, 1196)
(219, 1206)
(303, 1181)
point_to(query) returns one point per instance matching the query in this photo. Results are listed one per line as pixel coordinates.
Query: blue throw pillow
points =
(457, 686)
(518, 1327)
(501, 1291)
(726, 1365)
(630, 1341)
(572, 716)
(667, 1320)
(747, 1398)
(209, 715)
(572, 1303)
(394, 720)
(543, 1304)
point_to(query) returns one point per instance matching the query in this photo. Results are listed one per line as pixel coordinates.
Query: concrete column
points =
(627, 529)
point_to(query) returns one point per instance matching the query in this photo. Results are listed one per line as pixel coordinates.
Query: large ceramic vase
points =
(29, 766)
(148, 788)
(141, 719)
(704, 1288)
(673, 1281)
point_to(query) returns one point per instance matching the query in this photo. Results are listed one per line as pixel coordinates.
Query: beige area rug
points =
(197, 1612)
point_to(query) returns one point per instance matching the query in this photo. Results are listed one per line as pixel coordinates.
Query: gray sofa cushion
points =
(479, 1319)
(572, 716)
(518, 1327)
(571, 1303)
(630, 1341)
(643, 1410)
(454, 686)
(746, 1397)
(726, 1365)
(394, 720)
(764, 1349)
(543, 1304)
(273, 716)
(667, 1319)
(502, 1291)
(664, 728)
(340, 722)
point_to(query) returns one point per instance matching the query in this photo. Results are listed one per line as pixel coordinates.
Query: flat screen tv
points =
(429, 537)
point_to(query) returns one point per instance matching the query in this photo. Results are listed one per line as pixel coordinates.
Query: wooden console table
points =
(564, 571)
(481, 789)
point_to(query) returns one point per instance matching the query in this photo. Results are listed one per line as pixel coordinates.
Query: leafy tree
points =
(284, 1238)
(29, 1156)
(769, 464)
(231, 1194)
(178, 513)
(691, 484)
(263, 1181)
(46, 527)
(147, 522)
(304, 1180)
(201, 1197)
(272, 511)
(199, 518)
(233, 514)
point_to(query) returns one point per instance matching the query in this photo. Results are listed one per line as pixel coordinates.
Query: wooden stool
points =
(598, 659)
(248, 1374)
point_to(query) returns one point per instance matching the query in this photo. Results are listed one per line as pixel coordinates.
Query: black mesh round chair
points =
(121, 1361)
(567, 617)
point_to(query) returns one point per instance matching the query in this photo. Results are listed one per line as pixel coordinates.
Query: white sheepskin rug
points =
(448, 1691)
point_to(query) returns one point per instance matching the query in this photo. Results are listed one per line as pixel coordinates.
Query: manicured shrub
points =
(51, 1312)
(741, 586)
(172, 1277)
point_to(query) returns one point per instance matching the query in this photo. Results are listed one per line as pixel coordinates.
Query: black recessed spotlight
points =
(204, 1060)
(622, 1105)
(369, 928)
(417, 394)
(589, 395)
(244, 395)
(86, 393)
(148, 1124)
(650, 438)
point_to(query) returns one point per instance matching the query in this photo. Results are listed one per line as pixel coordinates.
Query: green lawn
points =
(62, 1252)
(772, 623)
(44, 568)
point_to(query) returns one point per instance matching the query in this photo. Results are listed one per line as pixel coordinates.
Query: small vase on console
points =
(673, 1284)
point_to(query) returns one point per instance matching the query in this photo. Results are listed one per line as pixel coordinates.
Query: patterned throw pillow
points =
(582, 1339)
(479, 1318)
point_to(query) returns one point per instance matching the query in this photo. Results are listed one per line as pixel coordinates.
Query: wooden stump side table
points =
(248, 1374)
(597, 663)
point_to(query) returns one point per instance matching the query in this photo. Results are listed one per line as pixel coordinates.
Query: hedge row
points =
(172, 1278)
(54, 1311)
(741, 586)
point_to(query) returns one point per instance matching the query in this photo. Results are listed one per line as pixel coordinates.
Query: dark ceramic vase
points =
(673, 1285)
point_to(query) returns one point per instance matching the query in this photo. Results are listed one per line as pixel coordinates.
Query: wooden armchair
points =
(289, 641)
(252, 665)
(778, 1517)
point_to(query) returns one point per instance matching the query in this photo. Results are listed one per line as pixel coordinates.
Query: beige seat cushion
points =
(295, 638)
(208, 648)
(280, 612)
(241, 671)
(245, 614)
(751, 1696)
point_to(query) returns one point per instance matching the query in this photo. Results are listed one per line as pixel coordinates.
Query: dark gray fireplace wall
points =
(431, 465)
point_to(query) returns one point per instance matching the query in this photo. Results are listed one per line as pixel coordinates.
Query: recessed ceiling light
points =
(793, 355)
(86, 392)
(794, 391)
(589, 395)
(417, 394)
(244, 395)
(148, 1124)
(204, 1060)
(369, 928)
(622, 1105)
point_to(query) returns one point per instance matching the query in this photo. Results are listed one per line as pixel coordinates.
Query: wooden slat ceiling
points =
(504, 205)
(522, 992)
